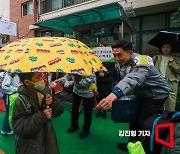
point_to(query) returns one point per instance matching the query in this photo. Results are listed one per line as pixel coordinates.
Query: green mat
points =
(103, 137)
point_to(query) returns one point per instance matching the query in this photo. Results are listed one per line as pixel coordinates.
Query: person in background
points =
(103, 44)
(178, 99)
(143, 78)
(32, 126)
(82, 91)
(104, 82)
(1, 80)
(104, 85)
(169, 66)
(67, 81)
(53, 81)
(10, 86)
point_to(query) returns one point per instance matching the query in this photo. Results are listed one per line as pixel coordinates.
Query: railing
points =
(52, 5)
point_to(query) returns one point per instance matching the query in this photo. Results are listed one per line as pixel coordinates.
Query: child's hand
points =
(48, 113)
(48, 99)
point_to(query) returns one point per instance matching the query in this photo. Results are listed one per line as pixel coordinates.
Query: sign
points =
(105, 54)
(8, 28)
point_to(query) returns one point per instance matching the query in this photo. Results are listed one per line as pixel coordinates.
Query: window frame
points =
(27, 5)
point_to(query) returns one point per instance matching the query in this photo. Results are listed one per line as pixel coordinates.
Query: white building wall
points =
(5, 10)
(4, 14)
(144, 3)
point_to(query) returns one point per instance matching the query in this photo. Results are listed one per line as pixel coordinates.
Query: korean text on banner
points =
(8, 28)
(104, 54)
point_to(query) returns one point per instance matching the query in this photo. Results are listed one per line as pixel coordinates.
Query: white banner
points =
(104, 54)
(8, 28)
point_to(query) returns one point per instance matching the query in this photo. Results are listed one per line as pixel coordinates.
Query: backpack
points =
(135, 148)
(149, 143)
(12, 100)
(176, 149)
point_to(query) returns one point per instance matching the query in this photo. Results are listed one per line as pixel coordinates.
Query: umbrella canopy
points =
(49, 54)
(165, 37)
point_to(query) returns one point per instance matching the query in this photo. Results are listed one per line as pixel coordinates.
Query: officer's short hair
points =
(125, 45)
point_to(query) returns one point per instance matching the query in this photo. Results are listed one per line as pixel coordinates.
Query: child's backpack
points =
(12, 100)
(149, 143)
(135, 148)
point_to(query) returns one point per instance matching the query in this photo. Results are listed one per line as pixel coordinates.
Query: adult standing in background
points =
(169, 66)
(104, 82)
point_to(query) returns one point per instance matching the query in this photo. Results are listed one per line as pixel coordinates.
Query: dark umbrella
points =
(165, 37)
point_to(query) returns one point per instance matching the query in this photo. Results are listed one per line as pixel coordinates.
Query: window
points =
(68, 3)
(56, 4)
(27, 8)
(157, 21)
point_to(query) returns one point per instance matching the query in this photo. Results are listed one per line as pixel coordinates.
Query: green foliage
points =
(176, 16)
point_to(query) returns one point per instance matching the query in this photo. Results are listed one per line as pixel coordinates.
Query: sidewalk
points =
(102, 140)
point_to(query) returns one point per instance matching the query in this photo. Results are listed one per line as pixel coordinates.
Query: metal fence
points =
(52, 5)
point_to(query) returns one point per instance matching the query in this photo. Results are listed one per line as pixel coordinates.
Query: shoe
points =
(99, 114)
(104, 115)
(72, 129)
(83, 134)
(122, 146)
(6, 133)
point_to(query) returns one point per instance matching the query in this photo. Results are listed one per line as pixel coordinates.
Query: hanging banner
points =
(104, 54)
(8, 28)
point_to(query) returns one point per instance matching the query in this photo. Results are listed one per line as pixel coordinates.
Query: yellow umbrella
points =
(49, 54)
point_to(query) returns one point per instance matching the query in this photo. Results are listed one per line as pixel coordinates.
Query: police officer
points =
(140, 76)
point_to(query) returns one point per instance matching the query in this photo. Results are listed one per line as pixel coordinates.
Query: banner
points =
(8, 28)
(104, 54)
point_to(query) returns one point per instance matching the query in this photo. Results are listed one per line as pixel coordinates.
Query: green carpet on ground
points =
(102, 140)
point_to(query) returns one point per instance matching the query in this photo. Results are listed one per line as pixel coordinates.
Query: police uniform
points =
(140, 76)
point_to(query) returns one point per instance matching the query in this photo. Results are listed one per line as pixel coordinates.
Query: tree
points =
(176, 16)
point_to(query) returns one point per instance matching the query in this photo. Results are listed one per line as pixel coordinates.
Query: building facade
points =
(24, 12)
(151, 17)
(4, 15)
(93, 21)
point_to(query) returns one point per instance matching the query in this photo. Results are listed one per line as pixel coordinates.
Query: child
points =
(34, 129)
(82, 92)
(10, 85)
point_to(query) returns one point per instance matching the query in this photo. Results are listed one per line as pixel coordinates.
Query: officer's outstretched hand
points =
(106, 103)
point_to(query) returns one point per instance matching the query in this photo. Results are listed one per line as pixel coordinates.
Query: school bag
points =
(12, 100)
(176, 149)
(149, 143)
(135, 148)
